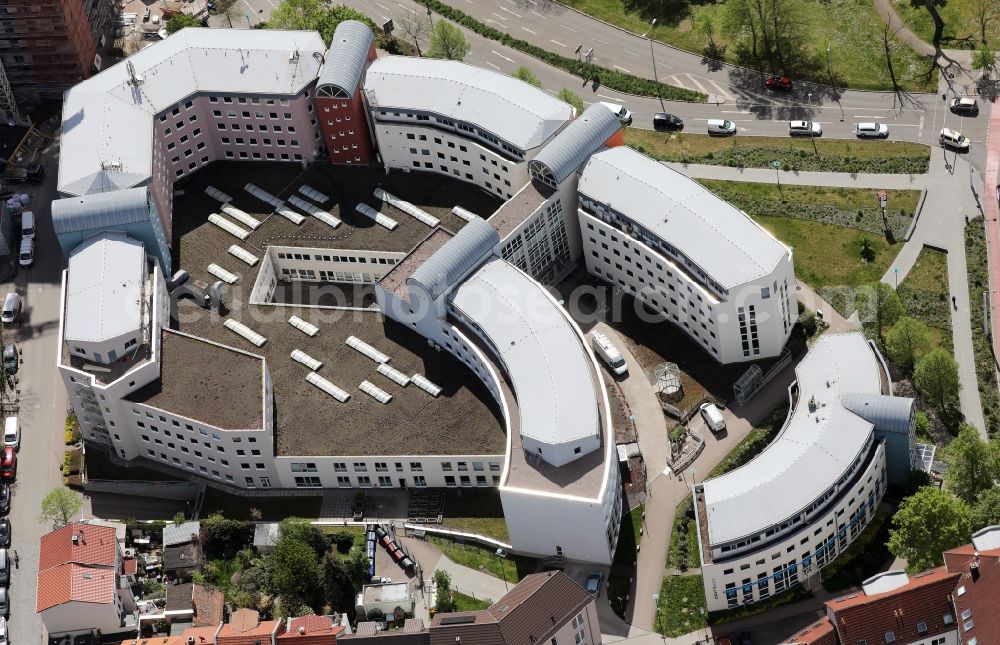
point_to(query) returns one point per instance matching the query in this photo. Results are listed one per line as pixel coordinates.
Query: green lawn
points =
(623, 565)
(468, 603)
(863, 558)
(475, 511)
(850, 28)
(828, 256)
(961, 26)
(797, 154)
(678, 612)
(925, 296)
(851, 207)
(513, 567)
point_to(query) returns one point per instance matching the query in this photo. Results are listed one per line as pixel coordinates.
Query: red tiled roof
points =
(201, 635)
(96, 546)
(819, 633)
(925, 598)
(130, 566)
(72, 582)
(209, 606)
(245, 628)
(311, 630)
(980, 592)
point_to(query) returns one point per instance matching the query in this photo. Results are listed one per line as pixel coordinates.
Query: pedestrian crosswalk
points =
(706, 86)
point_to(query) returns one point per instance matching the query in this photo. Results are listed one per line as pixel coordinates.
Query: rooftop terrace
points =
(462, 420)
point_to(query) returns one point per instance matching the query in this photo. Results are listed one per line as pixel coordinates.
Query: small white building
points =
(385, 598)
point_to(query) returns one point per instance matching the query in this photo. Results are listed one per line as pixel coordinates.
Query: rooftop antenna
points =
(134, 79)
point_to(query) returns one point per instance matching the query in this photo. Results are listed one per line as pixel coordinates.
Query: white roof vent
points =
(393, 374)
(314, 210)
(240, 216)
(327, 387)
(379, 218)
(228, 226)
(289, 214)
(245, 332)
(366, 349)
(307, 360)
(425, 384)
(407, 208)
(222, 274)
(375, 392)
(217, 194)
(244, 255)
(313, 194)
(262, 195)
(303, 326)
(468, 216)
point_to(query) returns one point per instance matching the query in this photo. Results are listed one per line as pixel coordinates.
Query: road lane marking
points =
(920, 132)
(697, 84)
(511, 12)
(632, 53)
(674, 80)
(605, 96)
(557, 42)
(382, 6)
(569, 29)
(496, 67)
(509, 60)
(538, 14)
(497, 15)
(498, 24)
(735, 111)
(528, 30)
(722, 91)
(603, 42)
(622, 69)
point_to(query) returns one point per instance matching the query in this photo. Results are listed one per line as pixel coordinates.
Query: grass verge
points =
(623, 566)
(512, 568)
(680, 606)
(979, 282)
(468, 603)
(794, 154)
(682, 553)
(961, 26)
(863, 558)
(475, 511)
(848, 207)
(850, 28)
(925, 295)
(611, 78)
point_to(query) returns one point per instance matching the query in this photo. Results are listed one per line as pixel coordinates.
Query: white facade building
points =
(694, 258)
(790, 511)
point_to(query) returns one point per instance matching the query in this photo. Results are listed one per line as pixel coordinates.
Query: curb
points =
(916, 216)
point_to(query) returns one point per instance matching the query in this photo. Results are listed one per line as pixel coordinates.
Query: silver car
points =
(804, 129)
(873, 130)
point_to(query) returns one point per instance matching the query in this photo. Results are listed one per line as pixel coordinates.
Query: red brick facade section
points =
(344, 125)
(55, 40)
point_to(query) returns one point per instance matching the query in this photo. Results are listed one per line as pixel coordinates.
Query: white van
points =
(620, 111)
(609, 354)
(11, 433)
(712, 416)
(721, 127)
(11, 308)
(27, 225)
(27, 255)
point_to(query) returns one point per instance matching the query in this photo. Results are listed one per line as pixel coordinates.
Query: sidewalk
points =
(768, 176)
(899, 28)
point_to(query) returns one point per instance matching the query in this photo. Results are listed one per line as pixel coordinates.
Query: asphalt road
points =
(43, 405)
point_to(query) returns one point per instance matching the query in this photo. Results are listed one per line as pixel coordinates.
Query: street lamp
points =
(430, 17)
(503, 572)
(635, 434)
(652, 56)
(895, 272)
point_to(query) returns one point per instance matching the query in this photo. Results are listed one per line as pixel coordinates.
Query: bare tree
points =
(132, 42)
(415, 26)
(987, 12)
(902, 99)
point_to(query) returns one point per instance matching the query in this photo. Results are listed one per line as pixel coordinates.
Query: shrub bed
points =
(682, 553)
(758, 439)
(863, 219)
(797, 160)
(610, 78)
(986, 378)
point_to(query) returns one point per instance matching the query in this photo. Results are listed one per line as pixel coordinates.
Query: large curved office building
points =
(461, 370)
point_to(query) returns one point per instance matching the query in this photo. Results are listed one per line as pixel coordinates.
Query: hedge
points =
(609, 78)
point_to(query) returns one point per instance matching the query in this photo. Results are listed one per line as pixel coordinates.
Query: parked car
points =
(620, 111)
(4, 499)
(27, 256)
(954, 140)
(964, 105)
(607, 352)
(721, 127)
(804, 129)
(10, 359)
(12, 432)
(27, 224)
(4, 567)
(712, 416)
(4, 532)
(3, 631)
(778, 83)
(873, 130)
(594, 583)
(11, 308)
(8, 464)
(666, 122)
(4, 603)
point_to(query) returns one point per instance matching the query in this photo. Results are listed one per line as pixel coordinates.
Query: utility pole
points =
(652, 56)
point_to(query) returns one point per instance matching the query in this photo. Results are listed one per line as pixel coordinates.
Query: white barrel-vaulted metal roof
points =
(345, 59)
(516, 112)
(569, 149)
(544, 356)
(456, 257)
(100, 210)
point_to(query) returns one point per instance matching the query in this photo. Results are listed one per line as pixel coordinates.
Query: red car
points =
(779, 83)
(8, 465)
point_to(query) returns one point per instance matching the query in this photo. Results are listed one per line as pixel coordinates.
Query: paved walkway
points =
(992, 231)
(767, 176)
(898, 27)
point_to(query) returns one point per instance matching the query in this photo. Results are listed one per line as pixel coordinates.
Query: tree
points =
(973, 464)
(180, 21)
(985, 59)
(526, 75)
(294, 572)
(878, 307)
(936, 378)
(448, 41)
(987, 12)
(442, 583)
(986, 510)
(222, 538)
(60, 506)
(704, 23)
(927, 524)
(416, 26)
(300, 529)
(572, 98)
(315, 15)
(179, 518)
(908, 341)
(338, 587)
(771, 33)
(132, 43)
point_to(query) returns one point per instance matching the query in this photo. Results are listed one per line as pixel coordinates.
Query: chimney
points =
(302, 629)
(190, 640)
(76, 539)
